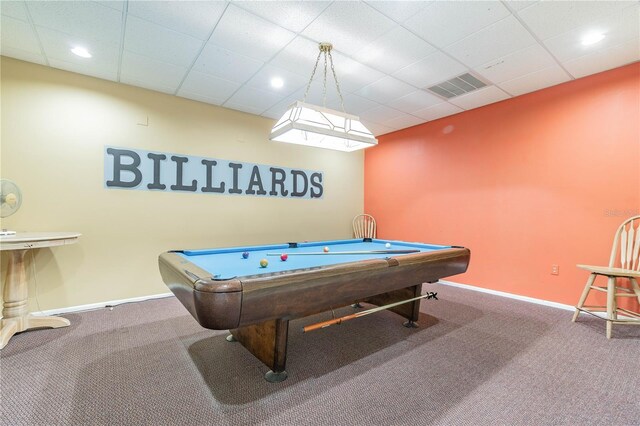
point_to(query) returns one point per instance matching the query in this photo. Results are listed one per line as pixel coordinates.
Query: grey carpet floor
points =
(477, 359)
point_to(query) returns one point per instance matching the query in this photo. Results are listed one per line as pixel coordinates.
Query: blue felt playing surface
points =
(226, 263)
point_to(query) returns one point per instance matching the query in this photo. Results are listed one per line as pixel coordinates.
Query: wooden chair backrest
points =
(627, 240)
(364, 226)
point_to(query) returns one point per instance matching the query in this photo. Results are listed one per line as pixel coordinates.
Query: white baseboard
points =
(511, 296)
(100, 305)
(445, 282)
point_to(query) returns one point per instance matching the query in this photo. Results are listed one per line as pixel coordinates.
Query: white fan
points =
(10, 200)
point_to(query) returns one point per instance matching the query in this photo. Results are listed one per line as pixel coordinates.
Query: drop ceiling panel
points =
(83, 19)
(377, 129)
(415, 101)
(292, 15)
(353, 104)
(399, 11)
(352, 75)
(481, 97)
(160, 43)
(379, 114)
(14, 9)
(140, 68)
(314, 96)
(194, 18)
(263, 78)
(551, 18)
(349, 26)
(114, 4)
(403, 121)
(103, 71)
(444, 22)
(385, 90)
(526, 61)
(17, 34)
(435, 68)
(23, 55)
(298, 56)
(437, 111)
(253, 100)
(394, 50)
(500, 39)
(535, 81)
(603, 60)
(207, 88)
(519, 4)
(223, 63)
(58, 45)
(619, 27)
(242, 32)
(147, 84)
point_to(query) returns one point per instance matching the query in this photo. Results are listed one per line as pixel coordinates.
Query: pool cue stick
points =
(323, 324)
(346, 252)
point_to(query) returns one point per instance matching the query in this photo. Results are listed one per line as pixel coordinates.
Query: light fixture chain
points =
(324, 83)
(306, 92)
(335, 78)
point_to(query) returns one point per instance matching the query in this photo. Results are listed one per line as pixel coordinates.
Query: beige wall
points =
(55, 125)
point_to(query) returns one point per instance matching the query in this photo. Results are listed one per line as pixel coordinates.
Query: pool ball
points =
(245, 255)
(263, 263)
(284, 257)
(326, 249)
(387, 245)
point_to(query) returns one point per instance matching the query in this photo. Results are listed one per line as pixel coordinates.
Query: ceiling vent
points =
(457, 86)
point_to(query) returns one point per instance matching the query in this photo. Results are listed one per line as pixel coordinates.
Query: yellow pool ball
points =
(263, 263)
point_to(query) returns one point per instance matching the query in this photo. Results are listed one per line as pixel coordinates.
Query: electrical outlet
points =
(555, 270)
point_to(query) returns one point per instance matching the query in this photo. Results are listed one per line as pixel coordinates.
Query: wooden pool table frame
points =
(257, 309)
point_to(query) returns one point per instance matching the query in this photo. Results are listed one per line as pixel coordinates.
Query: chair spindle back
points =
(364, 226)
(628, 241)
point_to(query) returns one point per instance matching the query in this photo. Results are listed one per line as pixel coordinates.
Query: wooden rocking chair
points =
(627, 240)
(364, 226)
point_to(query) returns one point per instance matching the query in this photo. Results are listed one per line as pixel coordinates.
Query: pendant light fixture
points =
(321, 127)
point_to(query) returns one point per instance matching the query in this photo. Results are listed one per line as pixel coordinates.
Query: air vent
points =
(457, 86)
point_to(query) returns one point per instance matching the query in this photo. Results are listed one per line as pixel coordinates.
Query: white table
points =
(15, 315)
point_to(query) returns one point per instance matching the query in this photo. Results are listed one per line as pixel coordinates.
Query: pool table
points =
(224, 290)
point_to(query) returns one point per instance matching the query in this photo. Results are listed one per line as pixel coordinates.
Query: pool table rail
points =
(215, 304)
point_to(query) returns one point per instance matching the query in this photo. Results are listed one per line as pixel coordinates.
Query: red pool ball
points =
(326, 249)
(284, 257)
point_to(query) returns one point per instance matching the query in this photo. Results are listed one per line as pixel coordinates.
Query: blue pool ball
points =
(245, 255)
(388, 245)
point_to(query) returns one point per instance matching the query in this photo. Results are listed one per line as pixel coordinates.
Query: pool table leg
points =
(267, 341)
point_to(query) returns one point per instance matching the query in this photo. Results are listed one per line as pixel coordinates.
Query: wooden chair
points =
(364, 226)
(627, 240)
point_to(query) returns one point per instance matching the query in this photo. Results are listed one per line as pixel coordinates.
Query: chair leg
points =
(583, 297)
(611, 304)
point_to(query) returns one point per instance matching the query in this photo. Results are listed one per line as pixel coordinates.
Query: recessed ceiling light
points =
(592, 38)
(81, 51)
(277, 82)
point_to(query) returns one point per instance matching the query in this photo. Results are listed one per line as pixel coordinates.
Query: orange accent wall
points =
(540, 179)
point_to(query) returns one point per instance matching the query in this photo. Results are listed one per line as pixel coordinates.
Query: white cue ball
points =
(388, 245)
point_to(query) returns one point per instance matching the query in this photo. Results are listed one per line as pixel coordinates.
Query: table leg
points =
(267, 341)
(15, 314)
(410, 311)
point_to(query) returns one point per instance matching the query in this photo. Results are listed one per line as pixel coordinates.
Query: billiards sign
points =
(161, 171)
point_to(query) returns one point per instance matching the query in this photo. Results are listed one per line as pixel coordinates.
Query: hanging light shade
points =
(321, 127)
